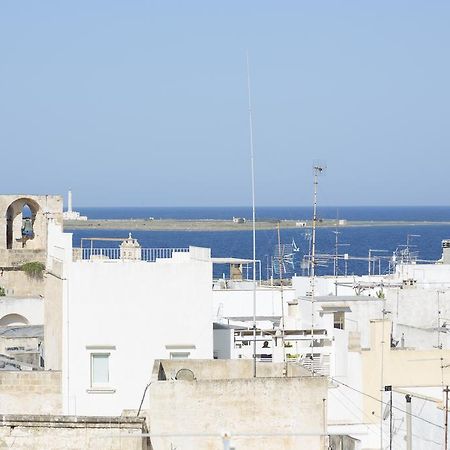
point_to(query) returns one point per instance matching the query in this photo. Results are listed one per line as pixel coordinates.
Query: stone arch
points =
(13, 319)
(18, 231)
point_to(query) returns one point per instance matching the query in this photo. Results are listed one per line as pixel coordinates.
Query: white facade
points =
(235, 302)
(131, 312)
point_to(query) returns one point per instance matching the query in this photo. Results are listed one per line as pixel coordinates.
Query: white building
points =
(120, 316)
(107, 313)
(350, 339)
(110, 313)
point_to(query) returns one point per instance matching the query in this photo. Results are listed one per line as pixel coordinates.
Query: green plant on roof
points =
(33, 269)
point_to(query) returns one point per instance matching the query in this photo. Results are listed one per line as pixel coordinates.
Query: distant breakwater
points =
(227, 225)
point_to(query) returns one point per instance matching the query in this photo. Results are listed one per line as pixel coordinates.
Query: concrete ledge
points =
(59, 421)
(224, 369)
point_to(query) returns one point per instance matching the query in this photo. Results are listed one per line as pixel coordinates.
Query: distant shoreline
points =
(227, 225)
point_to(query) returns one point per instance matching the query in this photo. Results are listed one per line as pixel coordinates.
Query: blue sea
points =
(355, 241)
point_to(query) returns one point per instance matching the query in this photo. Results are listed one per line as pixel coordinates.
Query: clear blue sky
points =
(144, 103)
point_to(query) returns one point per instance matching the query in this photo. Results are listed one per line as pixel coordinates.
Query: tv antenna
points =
(318, 169)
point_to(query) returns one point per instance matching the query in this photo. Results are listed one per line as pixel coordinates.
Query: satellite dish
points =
(185, 375)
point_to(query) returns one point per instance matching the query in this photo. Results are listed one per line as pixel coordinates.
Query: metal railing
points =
(144, 254)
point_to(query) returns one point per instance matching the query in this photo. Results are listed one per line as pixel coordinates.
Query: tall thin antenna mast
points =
(252, 160)
(280, 262)
(318, 169)
(336, 258)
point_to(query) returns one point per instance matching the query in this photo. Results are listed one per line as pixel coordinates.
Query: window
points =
(179, 355)
(339, 320)
(180, 351)
(99, 369)
(100, 377)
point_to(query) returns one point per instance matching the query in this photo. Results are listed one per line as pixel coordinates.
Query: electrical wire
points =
(349, 410)
(400, 428)
(356, 406)
(384, 403)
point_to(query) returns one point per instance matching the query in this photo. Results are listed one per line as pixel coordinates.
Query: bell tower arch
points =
(24, 226)
(22, 215)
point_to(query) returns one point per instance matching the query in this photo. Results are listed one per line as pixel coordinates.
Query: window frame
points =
(178, 354)
(94, 355)
(94, 351)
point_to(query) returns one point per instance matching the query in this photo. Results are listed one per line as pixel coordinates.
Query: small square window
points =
(99, 369)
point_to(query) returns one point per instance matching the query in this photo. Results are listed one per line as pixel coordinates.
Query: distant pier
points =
(227, 225)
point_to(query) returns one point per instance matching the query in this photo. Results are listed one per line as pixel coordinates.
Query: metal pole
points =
(389, 389)
(253, 213)
(438, 322)
(391, 423)
(317, 170)
(382, 377)
(446, 419)
(408, 423)
(260, 271)
(336, 232)
(280, 262)
(325, 425)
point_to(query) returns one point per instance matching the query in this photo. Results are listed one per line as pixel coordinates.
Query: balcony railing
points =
(144, 254)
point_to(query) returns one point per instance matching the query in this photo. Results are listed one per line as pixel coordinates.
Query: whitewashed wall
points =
(136, 311)
(235, 302)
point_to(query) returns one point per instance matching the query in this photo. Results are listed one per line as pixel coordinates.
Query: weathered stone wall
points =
(53, 312)
(17, 283)
(259, 413)
(17, 257)
(33, 392)
(221, 369)
(72, 433)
